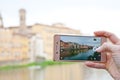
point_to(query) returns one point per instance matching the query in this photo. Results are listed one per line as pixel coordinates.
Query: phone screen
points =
(79, 48)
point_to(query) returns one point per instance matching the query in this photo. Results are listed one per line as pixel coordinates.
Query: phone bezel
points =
(56, 56)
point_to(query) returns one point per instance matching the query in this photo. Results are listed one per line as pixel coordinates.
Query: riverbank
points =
(41, 64)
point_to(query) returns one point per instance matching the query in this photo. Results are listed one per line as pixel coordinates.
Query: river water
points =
(83, 55)
(75, 71)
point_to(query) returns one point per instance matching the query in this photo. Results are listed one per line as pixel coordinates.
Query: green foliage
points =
(42, 64)
(48, 63)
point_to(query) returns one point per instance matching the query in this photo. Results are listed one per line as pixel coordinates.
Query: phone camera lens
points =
(95, 39)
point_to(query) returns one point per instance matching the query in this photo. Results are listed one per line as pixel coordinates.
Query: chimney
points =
(1, 21)
(22, 13)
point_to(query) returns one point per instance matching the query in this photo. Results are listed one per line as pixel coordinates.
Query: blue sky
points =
(85, 15)
(82, 40)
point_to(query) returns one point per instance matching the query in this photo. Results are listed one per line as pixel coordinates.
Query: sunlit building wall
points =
(47, 33)
(16, 40)
(13, 47)
(17, 46)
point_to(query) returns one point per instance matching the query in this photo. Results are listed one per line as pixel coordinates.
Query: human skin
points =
(112, 51)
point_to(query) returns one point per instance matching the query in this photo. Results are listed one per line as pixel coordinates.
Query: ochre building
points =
(15, 40)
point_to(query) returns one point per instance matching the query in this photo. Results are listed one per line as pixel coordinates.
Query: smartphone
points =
(78, 48)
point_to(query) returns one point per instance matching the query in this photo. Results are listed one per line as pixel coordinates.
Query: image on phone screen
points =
(79, 48)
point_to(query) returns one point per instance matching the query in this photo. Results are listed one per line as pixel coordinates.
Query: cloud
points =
(87, 19)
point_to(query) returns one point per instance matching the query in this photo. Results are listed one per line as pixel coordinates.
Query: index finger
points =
(113, 38)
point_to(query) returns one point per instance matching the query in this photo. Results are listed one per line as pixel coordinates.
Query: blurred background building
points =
(24, 43)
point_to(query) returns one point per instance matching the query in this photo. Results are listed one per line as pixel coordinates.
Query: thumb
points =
(105, 47)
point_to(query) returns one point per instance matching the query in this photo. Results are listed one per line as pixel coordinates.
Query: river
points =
(75, 71)
(84, 55)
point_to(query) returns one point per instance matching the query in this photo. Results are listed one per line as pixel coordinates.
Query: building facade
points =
(23, 42)
(47, 33)
(13, 48)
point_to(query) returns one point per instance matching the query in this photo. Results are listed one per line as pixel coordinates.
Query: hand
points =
(112, 51)
(114, 48)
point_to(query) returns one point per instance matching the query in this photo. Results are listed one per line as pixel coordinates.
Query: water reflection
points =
(66, 72)
(83, 55)
(58, 72)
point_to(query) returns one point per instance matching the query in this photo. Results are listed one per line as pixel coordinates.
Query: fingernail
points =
(98, 49)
